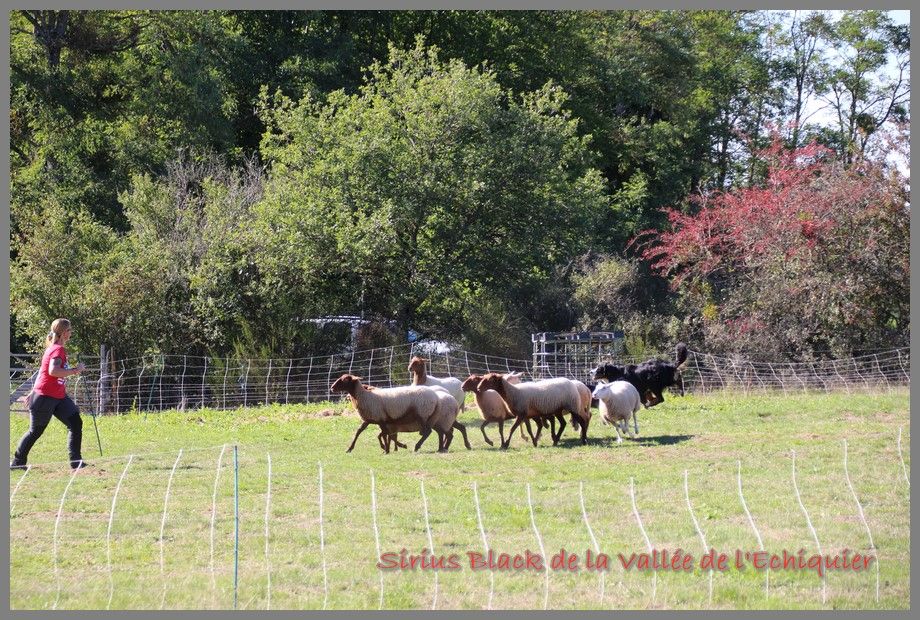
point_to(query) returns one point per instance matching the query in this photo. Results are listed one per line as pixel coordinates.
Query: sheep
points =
(586, 400)
(444, 421)
(491, 406)
(619, 400)
(452, 385)
(390, 404)
(549, 397)
(384, 447)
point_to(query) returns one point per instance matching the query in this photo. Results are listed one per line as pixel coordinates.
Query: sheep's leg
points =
(584, 431)
(636, 421)
(616, 427)
(384, 440)
(462, 429)
(443, 441)
(558, 435)
(533, 438)
(517, 422)
(426, 430)
(358, 432)
(482, 427)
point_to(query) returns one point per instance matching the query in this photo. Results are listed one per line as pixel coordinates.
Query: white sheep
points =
(420, 377)
(538, 399)
(379, 406)
(619, 400)
(491, 406)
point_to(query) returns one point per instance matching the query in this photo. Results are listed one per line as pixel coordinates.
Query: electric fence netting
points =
(165, 382)
(175, 530)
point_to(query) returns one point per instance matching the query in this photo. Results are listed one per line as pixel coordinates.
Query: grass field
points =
(705, 435)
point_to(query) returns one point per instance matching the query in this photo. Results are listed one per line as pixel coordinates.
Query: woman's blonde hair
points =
(58, 327)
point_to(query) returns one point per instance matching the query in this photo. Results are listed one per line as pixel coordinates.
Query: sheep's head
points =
(608, 372)
(417, 364)
(471, 383)
(600, 389)
(492, 381)
(346, 383)
(514, 377)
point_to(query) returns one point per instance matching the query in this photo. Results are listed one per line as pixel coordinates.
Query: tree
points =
(804, 63)
(815, 260)
(862, 97)
(429, 187)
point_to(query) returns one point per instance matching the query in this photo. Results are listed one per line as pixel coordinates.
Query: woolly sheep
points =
(491, 406)
(444, 422)
(384, 405)
(585, 393)
(619, 400)
(549, 397)
(420, 377)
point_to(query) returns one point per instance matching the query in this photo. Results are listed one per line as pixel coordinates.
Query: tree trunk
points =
(50, 29)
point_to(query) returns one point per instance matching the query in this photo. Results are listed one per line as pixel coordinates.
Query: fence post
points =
(817, 374)
(879, 367)
(901, 364)
(390, 368)
(309, 371)
(267, 377)
(182, 398)
(226, 370)
(782, 383)
(287, 381)
(696, 364)
(103, 390)
(118, 390)
(370, 367)
(204, 374)
(846, 385)
(246, 383)
(236, 524)
(329, 377)
(859, 374)
(152, 384)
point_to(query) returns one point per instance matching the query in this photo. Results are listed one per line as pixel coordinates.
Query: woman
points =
(49, 398)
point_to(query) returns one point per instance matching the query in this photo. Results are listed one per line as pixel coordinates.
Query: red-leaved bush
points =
(813, 261)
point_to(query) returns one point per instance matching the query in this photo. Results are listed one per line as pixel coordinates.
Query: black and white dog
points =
(650, 377)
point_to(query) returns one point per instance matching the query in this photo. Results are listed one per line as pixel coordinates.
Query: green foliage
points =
(407, 182)
(428, 180)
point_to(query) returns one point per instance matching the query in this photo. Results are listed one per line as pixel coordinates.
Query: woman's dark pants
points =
(40, 411)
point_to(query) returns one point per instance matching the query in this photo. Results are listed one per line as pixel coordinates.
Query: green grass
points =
(705, 435)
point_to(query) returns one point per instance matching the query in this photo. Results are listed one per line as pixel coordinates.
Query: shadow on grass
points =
(611, 441)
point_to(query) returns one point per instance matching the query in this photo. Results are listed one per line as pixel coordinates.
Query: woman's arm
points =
(56, 369)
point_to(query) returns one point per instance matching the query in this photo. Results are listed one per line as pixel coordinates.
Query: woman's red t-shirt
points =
(46, 385)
